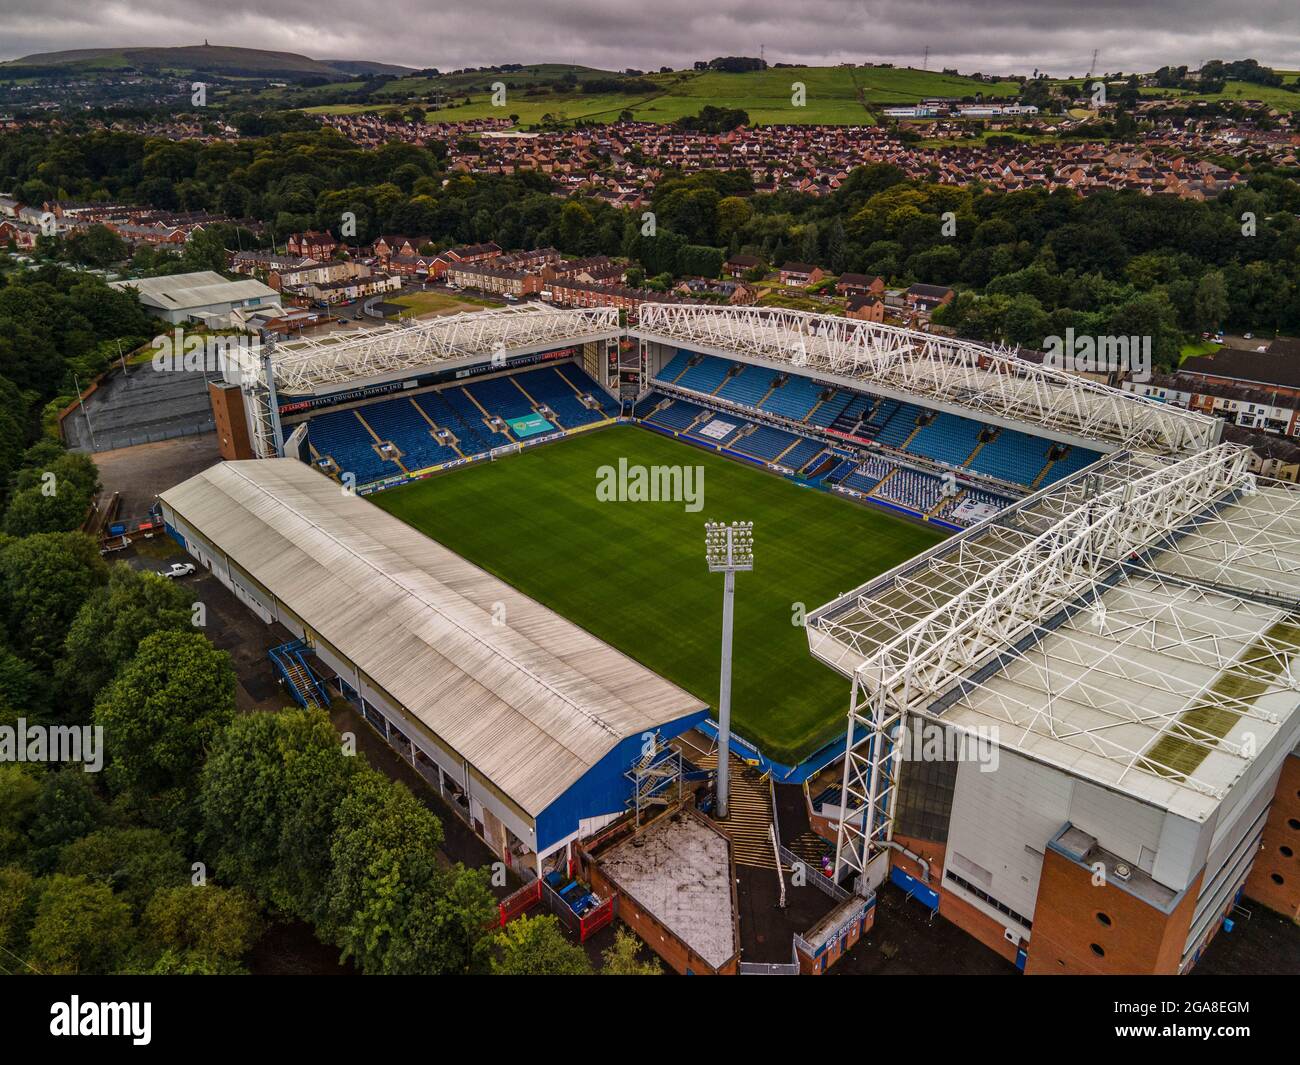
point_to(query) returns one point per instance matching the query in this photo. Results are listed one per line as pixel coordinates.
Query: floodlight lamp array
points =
(729, 546)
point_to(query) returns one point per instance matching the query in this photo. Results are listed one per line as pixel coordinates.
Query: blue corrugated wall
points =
(603, 789)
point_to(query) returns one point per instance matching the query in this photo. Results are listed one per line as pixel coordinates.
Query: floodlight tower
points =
(728, 549)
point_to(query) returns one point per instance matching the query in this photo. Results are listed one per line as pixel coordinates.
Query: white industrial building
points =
(204, 297)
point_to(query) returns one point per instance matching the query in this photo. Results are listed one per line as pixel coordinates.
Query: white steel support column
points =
(724, 693)
(728, 549)
(869, 795)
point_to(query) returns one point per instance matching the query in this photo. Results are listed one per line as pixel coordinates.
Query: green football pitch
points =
(633, 573)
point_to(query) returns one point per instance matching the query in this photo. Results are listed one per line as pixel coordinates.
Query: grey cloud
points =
(997, 36)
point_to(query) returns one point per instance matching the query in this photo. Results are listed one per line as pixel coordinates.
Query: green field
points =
(633, 573)
(833, 95)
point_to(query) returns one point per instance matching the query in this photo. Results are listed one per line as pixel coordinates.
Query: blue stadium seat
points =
(341, 436)
(677, 415)
(705, 376)
(801, 456)
(1012, 456)
(675, 366)
(398, 420)
(947, 438)
(766, 443)
(796, 398)
(1075, 460)
(748, 386)
(915, 490)
(895, 422)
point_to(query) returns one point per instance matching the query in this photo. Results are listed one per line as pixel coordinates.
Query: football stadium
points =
(948, 537)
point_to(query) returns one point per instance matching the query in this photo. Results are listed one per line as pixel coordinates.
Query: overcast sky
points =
(993, 36)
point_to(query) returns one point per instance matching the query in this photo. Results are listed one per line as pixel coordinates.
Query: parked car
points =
(178, 569)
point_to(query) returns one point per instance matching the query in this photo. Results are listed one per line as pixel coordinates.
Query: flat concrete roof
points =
(679, 870)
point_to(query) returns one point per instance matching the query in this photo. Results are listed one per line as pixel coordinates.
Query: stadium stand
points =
(339, 435)
(678, 415)
(705, 376)
(1012, 456)
(969, 495)
(400, 421)
(865, 477)
(796, 399)
(766, 443)
(408, 422)
(946, 438)
(1007, 454)
(748, 386)
(801, 456)
(720, 434)
(917, 491)
(1075, 459)
(676, 367)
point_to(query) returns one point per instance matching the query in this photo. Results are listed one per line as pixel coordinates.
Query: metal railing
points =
(816, 877)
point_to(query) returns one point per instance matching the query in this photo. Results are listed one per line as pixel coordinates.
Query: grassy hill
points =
(210, 59)
(833, 95)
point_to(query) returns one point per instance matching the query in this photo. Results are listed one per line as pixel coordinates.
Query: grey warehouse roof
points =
(532, 704)
(202, 289)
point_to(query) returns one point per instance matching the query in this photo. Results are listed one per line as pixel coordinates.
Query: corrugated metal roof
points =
(201, 289)
(532, 703)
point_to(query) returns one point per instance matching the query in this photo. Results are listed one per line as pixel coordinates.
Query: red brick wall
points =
(1139, 939)
(228, 415)
(1281, 834)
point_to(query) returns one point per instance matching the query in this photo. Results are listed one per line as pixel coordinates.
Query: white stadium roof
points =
(990, 384)
(532, 704)
(310, 364)
(1138, 626)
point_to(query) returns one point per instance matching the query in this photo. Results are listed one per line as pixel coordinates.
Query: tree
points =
(269, 798)
(381, 898)
(19, 791)
(19, 892)
(463, 914)
(621, 958)
(96, 246)
(111, 623)
(214, 922)
(167, 706)
(535, 946)
(1211, 300)
(80, 928)
(134, 862)
(54, 497)
(66, 809)
(1025, 322)
(44, 579)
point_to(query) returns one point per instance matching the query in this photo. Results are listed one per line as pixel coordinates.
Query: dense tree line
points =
(1029, 264)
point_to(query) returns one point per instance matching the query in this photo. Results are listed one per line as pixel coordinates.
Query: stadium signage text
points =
(626, 483)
